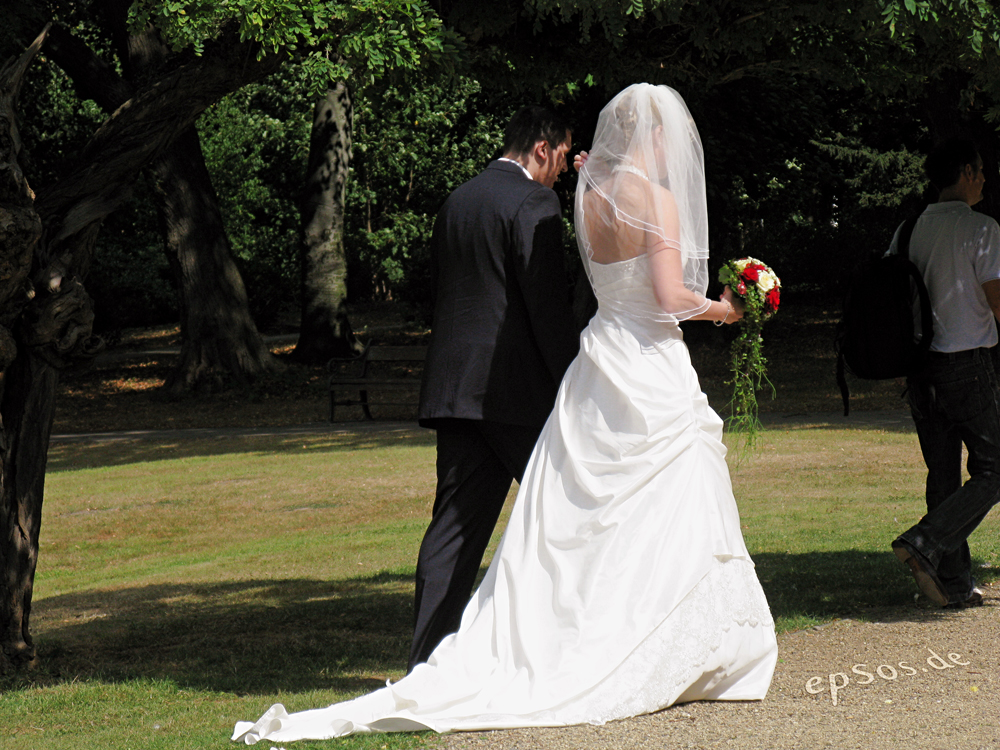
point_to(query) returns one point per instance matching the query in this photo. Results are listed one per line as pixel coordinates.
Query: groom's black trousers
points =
(476, 463)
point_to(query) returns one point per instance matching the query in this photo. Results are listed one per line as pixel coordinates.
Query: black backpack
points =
(876, 337)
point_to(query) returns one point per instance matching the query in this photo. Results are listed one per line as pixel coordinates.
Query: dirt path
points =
(944, 696)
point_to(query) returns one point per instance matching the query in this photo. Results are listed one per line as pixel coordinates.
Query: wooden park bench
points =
(377, 368)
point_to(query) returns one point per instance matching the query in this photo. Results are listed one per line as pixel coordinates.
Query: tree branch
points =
(139, 131)
(13, 71)
(94, 78)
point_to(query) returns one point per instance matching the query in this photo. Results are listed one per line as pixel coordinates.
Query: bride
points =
(622, 584)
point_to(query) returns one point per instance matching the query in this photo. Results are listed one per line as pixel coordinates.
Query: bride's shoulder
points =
(662, 193)
(663, 201)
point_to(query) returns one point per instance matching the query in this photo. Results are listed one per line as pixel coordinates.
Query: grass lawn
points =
(185, 585)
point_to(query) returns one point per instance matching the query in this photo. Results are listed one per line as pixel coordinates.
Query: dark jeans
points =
(476, 463)
(954, 401)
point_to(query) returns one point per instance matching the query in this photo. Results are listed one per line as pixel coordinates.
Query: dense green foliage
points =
(412, 148)
(256, 142)
(365, 39)
(814, 118)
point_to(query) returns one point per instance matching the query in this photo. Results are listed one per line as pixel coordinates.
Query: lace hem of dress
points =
(675, 655)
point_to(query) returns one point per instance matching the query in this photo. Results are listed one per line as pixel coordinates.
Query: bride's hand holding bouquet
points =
(758, 291)
(736, 307)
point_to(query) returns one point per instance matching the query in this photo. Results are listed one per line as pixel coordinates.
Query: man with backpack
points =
(954, 397)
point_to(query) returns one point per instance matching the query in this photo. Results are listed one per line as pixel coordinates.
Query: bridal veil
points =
(642, 190)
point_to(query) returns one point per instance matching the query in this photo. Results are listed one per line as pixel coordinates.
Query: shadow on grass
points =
(861, 421)
(245, 637)
(78, 452)
(270, 637)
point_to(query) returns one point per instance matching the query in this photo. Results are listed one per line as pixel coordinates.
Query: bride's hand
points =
(579, 160)
(736, 303)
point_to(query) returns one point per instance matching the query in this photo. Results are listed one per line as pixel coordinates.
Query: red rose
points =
(751, 273)
(772, 299)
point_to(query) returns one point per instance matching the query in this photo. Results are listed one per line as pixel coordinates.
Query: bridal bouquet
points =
(760, 290)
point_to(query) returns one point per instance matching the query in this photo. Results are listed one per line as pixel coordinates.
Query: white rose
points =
(766, 281)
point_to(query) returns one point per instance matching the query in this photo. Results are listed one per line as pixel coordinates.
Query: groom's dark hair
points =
(532, 124)
(945, 163)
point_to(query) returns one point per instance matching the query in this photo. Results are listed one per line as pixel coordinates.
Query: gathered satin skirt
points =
(622, 584)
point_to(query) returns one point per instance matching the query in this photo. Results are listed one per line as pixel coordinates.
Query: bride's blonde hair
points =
(627, 116)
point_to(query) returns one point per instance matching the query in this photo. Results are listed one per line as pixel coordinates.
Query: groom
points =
(502, 337)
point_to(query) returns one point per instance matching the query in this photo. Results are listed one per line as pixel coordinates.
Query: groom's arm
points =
(541, 271)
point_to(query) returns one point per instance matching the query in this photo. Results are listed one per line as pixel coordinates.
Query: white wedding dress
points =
(622, 584)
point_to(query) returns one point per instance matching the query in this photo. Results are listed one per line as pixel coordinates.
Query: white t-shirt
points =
(957, 250)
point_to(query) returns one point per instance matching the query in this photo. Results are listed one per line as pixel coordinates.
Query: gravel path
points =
(944, 696)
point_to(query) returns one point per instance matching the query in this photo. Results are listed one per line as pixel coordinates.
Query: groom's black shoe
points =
(923, 572)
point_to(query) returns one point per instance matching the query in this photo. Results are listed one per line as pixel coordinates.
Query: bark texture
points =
(20, 507)
(325, 331)
(218, 336)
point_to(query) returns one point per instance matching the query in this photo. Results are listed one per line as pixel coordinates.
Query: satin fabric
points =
(622, 584)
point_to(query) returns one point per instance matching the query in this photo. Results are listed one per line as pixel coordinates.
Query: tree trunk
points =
(42, 327)
(20, 505)
(219, 339)
(27, 409)
(218, 335)
(325, 331)
(45, 315)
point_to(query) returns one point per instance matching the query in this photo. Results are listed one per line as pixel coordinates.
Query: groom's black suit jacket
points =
(503, 331)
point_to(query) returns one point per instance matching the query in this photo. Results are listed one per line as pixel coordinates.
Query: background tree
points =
(325, 331)
(413, 146)
(218, 335)
(51, 321)
(20, 230)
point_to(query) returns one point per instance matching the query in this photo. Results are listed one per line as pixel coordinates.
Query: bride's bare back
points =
(613, 238)
(645, 223)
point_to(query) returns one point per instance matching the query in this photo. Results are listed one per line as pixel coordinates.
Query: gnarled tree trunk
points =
(219, 339)
(218, 336)
(20, 503)
(325, 330)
